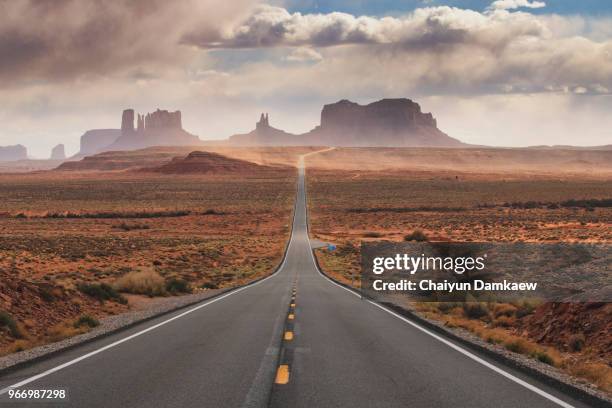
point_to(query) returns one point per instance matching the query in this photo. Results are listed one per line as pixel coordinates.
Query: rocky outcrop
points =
(13, 153)
(58, 152)
(127, 121)
(162, 119)
(159, 128)
(265, 135)
(97, 140)
(388, 122)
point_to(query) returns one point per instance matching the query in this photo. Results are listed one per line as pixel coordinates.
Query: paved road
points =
(231, 352)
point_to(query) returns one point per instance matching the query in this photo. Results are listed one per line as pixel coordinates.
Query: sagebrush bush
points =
(475, 310)
(101, 291)
(147, 282)
(175, 286)
(6, 320)
(86, 320)
(416, 235)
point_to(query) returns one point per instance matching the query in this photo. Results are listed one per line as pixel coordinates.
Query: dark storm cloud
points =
(65, 39)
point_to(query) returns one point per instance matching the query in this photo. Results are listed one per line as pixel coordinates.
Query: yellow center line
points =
(282, 374)
(288, 335)
(292, 305)
(291, 316)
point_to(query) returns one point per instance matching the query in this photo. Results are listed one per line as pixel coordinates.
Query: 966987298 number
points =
(36, 394)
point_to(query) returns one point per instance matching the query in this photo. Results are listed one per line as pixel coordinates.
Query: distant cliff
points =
(387, 123)
(96, 140)
(13, 153)
(58, 152)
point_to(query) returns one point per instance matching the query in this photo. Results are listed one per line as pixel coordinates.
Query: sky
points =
(501, 73)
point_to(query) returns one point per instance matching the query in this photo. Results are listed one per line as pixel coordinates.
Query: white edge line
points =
(449, 343)
(148, 329)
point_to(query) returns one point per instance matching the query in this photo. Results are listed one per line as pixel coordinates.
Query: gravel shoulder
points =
(111, 324)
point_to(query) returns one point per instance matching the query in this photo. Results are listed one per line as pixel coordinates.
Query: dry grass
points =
(147, 282)
(599, 374)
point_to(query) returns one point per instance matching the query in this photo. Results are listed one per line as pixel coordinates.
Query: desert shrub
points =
(6, 320)
(372, 234)
(46, 294)
(525, 307)
(86, 320)
(475, 310)
(504, 309)
(146, 282)
(517, 346)
(544, 357)
(504, 321)
(175, 286)
(212, 212)
(447, 306)
(345, 250)
(416, 235)
(576, 342)
(101, 291)
(131, 227)
(209, 285)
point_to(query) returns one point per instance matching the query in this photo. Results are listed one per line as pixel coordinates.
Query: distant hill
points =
(13, 153)
(124, 160)
(158, 156)
(386, 123)
(201, 162)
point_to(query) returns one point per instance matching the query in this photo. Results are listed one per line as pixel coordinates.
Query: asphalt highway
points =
(295, 339)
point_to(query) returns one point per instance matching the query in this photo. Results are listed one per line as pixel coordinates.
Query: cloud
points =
(270, 26)
(66, 39)
(514, 4)
(304, 54)
(435, 49)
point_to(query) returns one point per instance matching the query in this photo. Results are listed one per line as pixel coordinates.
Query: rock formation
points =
(265, 135)
(97, 140)
(13, 153)
(127, 121)
(162, 119)
(388, 122)
(264, 122)
(58, 152)
(159, 128)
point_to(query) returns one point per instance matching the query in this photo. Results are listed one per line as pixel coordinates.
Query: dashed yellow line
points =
(291, 316)
(282, 374)
(288, 335)
(292, 305)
